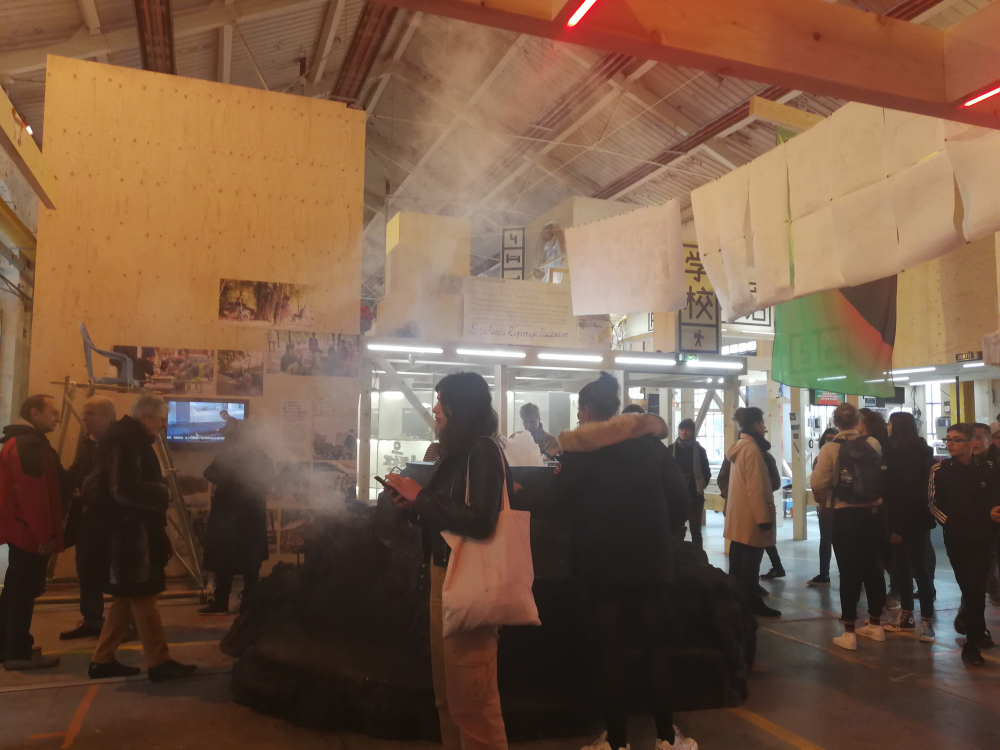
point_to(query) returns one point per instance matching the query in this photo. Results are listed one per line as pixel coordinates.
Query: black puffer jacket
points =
(626, 497)
(236, 533)
(129, 489)
(907, 469)
(441, 505)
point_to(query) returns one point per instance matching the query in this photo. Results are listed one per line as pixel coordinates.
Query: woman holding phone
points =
(463, 497)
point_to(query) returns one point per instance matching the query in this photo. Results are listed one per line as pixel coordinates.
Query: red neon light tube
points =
(982, 97)
(580, 13)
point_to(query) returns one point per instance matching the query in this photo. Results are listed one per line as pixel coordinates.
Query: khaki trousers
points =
(464, 669)
(147, 621)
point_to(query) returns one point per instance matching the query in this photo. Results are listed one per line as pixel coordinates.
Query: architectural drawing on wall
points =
(240, 373)
(334, 432)
(269, 303)
(300, 353)
(172, 370)
(333, 483)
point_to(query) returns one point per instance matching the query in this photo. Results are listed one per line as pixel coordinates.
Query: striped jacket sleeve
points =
(933, 496)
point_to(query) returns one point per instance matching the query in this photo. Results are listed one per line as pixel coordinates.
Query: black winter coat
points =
(907, 469)
(131, 495)
(626, 497)
(961, 497)
(236, 533)
(441, 505)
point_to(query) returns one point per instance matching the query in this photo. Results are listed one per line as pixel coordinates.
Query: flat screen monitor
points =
(193, 423)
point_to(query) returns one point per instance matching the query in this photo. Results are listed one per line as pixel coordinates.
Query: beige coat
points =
(751, 501)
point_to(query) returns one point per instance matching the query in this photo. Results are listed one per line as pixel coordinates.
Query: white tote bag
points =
(489, 581)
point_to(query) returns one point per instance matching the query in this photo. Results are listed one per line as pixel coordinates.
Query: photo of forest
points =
(240, 373)
(275, 304)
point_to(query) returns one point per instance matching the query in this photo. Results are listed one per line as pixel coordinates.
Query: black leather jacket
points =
(441, 506)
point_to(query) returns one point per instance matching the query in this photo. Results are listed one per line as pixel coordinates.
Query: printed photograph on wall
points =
(291, 485)
(240, 373)
(269, 303)
(334, 431)
(333, 484)
(172, 370)
(295, 525)
(312, 354)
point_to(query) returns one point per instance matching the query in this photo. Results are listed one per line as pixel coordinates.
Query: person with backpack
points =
(963, 494)
(824, 512)
(851, 470)
(692, 459)
(908, 462)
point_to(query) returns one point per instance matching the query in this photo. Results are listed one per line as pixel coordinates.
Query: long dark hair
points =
(874, 425)
(904, 430)
(601, 396)
(466, 399)
(828, 434)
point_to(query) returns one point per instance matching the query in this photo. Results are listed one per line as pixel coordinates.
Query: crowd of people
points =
(112, 504)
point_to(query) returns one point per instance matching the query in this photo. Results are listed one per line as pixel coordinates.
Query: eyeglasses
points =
(957, 440)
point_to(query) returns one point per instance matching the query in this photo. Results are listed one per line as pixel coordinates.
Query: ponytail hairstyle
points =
(601, 396)
(466, 399)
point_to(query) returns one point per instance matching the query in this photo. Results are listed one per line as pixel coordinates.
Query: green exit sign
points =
(689, 357)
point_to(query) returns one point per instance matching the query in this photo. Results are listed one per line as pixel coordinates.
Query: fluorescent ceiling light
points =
(524, 377)
(585, 8)
(392, 395)
(552, 367)
(714, 365)
(491, 353)
(933, 382)
(913, 370)
(570, 357)
(975, 364)
(402, 348)
(834, 377)
(649, 361)
(974, 100)
(891, 380)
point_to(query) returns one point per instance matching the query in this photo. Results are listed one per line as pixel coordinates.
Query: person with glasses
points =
(964, 496)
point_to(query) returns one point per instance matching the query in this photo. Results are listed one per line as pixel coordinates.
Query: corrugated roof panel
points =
(197, 55)
(276, 44)
(36, 23)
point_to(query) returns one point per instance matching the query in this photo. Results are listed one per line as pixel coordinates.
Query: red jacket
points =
(31, 508)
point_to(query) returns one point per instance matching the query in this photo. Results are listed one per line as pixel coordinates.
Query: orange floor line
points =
(48, 736)
(81, 713)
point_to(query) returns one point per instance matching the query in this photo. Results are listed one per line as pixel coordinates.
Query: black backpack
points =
(860, 473)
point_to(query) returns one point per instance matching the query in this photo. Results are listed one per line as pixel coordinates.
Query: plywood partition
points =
(167, 185)
(946, 306)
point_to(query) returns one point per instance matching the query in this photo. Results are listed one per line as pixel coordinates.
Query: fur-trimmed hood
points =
(596, 435)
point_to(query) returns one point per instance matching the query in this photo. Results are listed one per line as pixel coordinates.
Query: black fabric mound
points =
(343, 643)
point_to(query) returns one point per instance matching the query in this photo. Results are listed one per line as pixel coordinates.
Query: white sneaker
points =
(925, 632)
(680, 742)
(875, 632)
(601, 743)
(848, 640)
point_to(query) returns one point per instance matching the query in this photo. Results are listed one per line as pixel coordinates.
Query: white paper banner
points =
(769, 188)
(817, 265)
(910, 138)
(809, 171)
(734, 261)
(857, 148)
(927, 210)
(866, 235)
(975, 157)
(629, 263)
(772, 265)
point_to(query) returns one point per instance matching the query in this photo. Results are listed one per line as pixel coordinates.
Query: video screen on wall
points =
(199, 422)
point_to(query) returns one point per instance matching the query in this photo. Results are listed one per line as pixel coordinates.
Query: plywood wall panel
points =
(168, 184)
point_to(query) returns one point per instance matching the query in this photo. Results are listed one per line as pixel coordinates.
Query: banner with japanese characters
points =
(698, 321)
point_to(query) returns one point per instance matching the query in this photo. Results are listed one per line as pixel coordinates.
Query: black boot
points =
(215, 608)
(971, 655)
(762, 610)
(112, 669)
(170, 670)
(83, 630)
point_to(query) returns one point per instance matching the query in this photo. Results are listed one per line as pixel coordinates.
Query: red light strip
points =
(580, 13)
(981, 97)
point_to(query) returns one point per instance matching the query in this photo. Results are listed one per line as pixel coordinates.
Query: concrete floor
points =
(805, 692)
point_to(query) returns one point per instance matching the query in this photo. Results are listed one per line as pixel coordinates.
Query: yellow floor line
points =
(135, 646)
(830, 651)
(773, 729)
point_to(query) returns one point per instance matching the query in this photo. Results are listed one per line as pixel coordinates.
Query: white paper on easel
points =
(628, 263)
(704, 205)
(927, 210)
(768, 177)
(772, 268)
(866, 235)
(809, 171)
(910, 139)
(857, 143)
(734, 260)
(733, 205)
(975, 157)
(712, 261)
(814, 244)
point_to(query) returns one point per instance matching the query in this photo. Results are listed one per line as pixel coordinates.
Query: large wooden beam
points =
(214, 16)
(972, 57)
(808, 45)
(17, 234)
(782, 114)
(17, 142)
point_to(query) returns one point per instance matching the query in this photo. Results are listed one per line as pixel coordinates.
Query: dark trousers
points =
(695, 513)
(825, 541)
(89, 542)
(614, 608)
(92, 607)
(224, 583)
(772, 555)
(910, 559)
(24, 582)
(971, 560)
(744, 566)
(857, 539)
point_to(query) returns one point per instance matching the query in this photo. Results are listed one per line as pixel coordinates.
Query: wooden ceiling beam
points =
(972, 57)
(18, 144)
(155, 23)
(809, 45)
